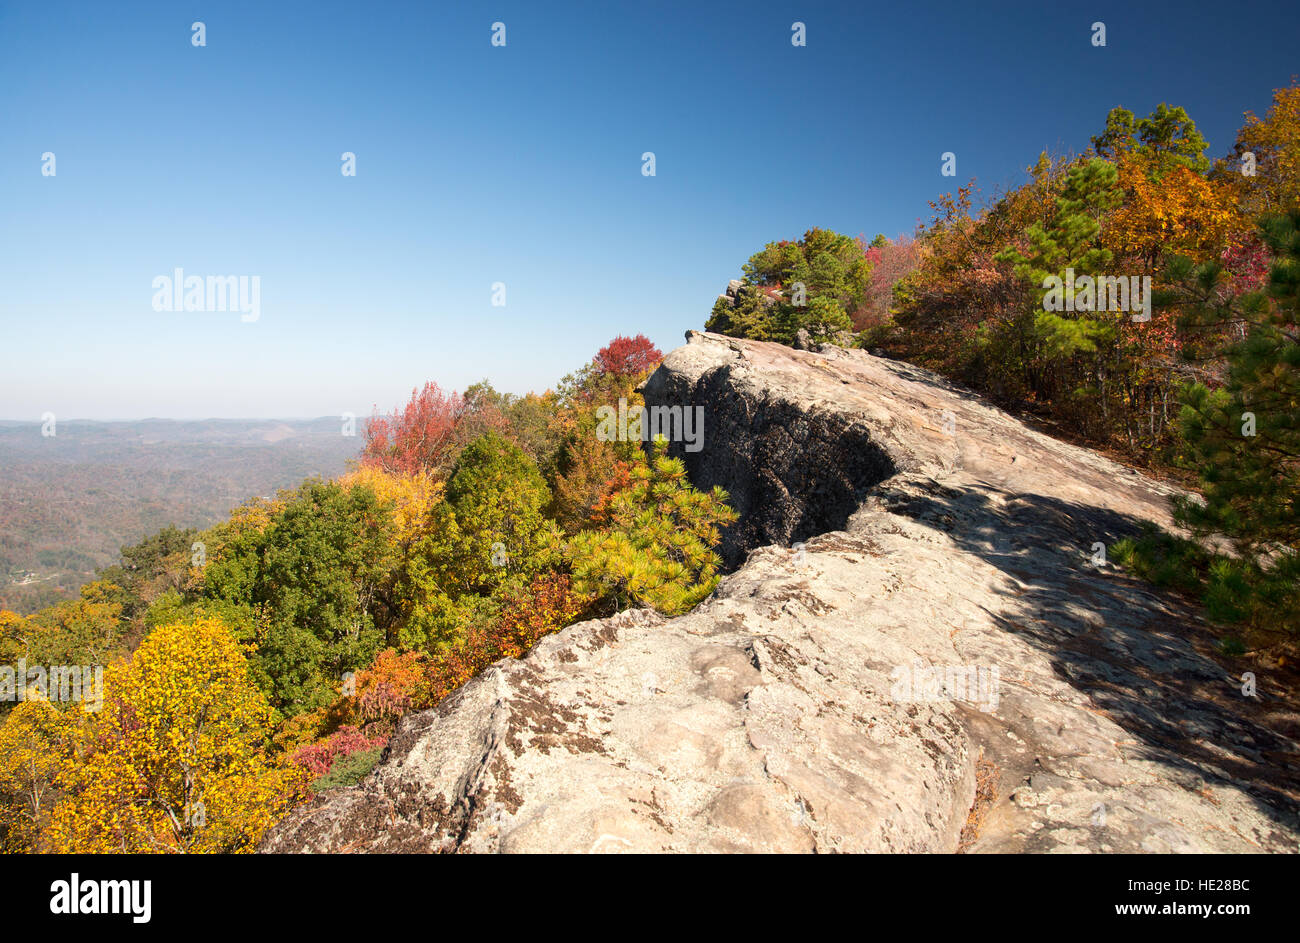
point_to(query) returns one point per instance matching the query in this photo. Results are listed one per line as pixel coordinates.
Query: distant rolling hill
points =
(69, 502)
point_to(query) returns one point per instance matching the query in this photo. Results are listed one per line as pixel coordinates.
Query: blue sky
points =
(519, 164)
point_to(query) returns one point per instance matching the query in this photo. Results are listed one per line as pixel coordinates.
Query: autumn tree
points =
(1273, 143)
(83, 631)
(1183, 213)
(408, 498)
(421, 435)
(658, 548)
(585, 464)
(177, 759)
(628, 356)
(527, 614)
(893, 262)
(585, 460)
(320, 758)
(36, 751)
(959, 310)
(15, 634)
(525, 421)
(395, 683)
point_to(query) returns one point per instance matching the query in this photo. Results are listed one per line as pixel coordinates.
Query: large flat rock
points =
(938, 623)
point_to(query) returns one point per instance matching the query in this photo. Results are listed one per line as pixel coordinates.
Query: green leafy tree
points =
(658, 549)
(1165, 138)
(813, 284)
(498, 495)
(488, 535)
(315, 573)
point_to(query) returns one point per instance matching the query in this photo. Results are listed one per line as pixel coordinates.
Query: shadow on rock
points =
(1144, 658)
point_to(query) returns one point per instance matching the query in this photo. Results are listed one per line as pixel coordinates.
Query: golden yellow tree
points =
(1182, 213)
(35, 750)
(177, 761)
(13, 636)
(1274, 144)
(410, 495)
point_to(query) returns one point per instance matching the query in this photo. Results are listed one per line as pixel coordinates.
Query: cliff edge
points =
(917, 652)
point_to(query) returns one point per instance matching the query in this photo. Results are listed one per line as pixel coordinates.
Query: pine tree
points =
(813, 284)
(1071, 242)
(658, 547)
(1166, 138)
(1243, 439)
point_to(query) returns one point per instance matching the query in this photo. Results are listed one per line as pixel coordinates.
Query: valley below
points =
(69, 502)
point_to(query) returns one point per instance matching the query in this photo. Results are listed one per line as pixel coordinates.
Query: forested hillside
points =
(1139, 298)
(70, 501)
(254, 661)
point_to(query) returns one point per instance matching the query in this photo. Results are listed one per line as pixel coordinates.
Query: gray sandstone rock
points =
(798, 710)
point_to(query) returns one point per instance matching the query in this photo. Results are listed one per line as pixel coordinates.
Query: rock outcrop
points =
(936, 664)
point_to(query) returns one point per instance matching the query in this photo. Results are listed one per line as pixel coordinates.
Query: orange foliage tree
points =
(1274, 141)
(549, 603)
(1183, 213)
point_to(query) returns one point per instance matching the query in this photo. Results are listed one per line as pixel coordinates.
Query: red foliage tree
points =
(627, 356)
(320, 757)
(1246, 265)
(418, 436)
(889, 264)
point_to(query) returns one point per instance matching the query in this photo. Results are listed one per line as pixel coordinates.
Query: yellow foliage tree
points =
(13, 636)
(411, 497)
(35, 750)
(1182, 213)
(178, 760)
(1274, 141)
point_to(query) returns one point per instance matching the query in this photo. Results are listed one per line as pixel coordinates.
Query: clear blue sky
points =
(519, 164)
